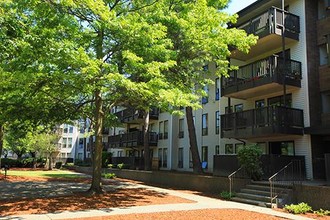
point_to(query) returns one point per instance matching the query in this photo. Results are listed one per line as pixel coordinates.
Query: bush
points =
(226, 195)
(109, 175)
(300, 208)
(28, 162)
(249, 158)
(82, 163)
(106, 157)
(10, 162)
(58, 165)
(322, 212)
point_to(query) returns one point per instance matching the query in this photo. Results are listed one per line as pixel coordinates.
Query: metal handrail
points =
(288, 176)
(231, 180)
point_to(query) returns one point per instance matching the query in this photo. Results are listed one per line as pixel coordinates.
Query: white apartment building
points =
(248, 107)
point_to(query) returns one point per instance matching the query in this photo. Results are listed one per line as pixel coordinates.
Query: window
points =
(324, 51)
(260, 103)
(81, 143)
(217, 122)
(161, 130)
(160, 157)
(190, 159)
(217, 150)
(180, 157)
(239, 108)
(229, 149)
(282, 148)
(71, 129)
(325, 97)
(263, 147)
(64, 141)
(69, 142)
(204, 124)
(63, 155)
(165, 157)
(68, 155)
(165, 129)
(119, 153)
(205, 98)
(65, 128)
(279, 101)
(204, 157)
(228, 110)
(181, 132)
(217, 88)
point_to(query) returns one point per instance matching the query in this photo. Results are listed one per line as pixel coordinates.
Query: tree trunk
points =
(197, 166)
(50, 162)
(1, 141)
(146, 140)
(97, 155)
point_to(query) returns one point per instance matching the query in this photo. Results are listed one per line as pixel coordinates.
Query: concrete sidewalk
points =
(202, 202)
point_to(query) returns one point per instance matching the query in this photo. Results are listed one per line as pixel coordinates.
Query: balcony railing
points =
(132, 139)
(129, 115)
(270, 22)
(261, 72)
(262, 122)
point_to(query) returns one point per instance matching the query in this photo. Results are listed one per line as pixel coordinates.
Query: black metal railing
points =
(129, 114)
(132, 139)
(276, 116)
(272, 68)
(284, 179)
(269, 21)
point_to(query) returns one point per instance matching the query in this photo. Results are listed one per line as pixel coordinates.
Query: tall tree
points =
(199, 33)
(66, 55)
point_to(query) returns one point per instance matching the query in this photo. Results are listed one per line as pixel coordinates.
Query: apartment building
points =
(317, 18)
(68, 143)
(278, 98)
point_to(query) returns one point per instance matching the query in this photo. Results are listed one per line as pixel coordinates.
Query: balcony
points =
(262, 77)
(105, 131)
(263, 122)
(133, 116)
(132, 139)
(267, 26)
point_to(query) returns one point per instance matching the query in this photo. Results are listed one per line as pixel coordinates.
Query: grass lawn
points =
(45, 173)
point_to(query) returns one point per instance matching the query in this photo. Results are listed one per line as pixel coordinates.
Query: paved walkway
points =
(202, 202)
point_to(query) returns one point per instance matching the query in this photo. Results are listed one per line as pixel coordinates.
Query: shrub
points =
(226, 195)
(300, 208)
(109, 175)
(322, 212)
(249, 158)
(10, 162)
(28, 162)
(58, 165)
(106, 157)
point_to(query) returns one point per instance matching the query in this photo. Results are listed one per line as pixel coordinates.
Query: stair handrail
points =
(231, 180)
(273, 179)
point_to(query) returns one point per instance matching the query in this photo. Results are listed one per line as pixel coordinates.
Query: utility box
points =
(327, 168)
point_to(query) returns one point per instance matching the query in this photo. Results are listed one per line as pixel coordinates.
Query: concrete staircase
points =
(258, 193)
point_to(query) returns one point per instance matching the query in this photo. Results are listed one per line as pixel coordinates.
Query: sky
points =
(237, 5)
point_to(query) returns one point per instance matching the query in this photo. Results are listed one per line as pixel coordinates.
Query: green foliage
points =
(106, 156)
(123, 166)
(226, 195)
(109, 175)
(82, 163)
(10, 162)
(300, 208)
(322, 212)
(249, 158)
